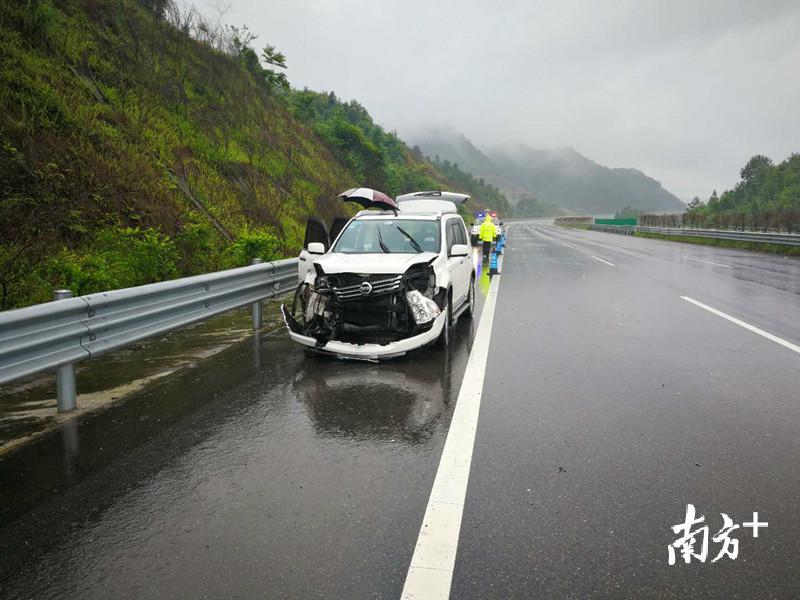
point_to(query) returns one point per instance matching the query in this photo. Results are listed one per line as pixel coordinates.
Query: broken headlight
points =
(421, 277)
(424, 309)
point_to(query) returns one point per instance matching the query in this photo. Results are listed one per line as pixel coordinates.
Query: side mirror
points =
(459, 250)
(316, 248)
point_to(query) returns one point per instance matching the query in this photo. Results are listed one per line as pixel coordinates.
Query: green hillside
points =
(139, 143)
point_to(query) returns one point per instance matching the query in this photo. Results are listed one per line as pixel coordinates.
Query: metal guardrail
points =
(620, 229)
(782, 239)
(55, 335)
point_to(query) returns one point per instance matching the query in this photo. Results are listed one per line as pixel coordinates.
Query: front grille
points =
(380, 287)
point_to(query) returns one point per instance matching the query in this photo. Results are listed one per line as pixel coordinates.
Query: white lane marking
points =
(568, 245)
(603, 260)
(710, 262)
(540, 233)
(740, 323)
(431, 572)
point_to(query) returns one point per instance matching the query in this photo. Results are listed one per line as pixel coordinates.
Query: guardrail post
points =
(256, 306)
(65, 374)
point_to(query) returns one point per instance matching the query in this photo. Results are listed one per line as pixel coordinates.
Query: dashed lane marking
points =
(604, 261)
(740, 323)
(710, 262)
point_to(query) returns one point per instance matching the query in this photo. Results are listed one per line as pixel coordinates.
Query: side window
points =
(337, 226)
(462, 234)
(452, 234)
(316, 232)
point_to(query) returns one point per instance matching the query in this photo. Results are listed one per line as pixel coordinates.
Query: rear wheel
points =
(470, 310)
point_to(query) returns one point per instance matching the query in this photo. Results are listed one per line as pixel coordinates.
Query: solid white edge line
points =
(603, 260)
(431, 571)
(740, 323)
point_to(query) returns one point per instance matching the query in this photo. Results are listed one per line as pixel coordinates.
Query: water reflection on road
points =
(392, 401)
(259, 448)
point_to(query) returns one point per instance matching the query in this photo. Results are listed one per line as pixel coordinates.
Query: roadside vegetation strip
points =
(741, 245)
(748, 326)
(431, 572)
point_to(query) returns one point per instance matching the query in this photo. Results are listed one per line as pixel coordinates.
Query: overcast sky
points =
(686, 91)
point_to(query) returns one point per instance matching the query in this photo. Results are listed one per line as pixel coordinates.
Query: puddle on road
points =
(28, 406)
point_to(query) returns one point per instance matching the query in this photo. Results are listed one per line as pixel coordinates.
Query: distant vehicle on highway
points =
(476, 225)
(396, 277)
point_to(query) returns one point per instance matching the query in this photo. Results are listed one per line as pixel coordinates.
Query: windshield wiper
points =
(411, 240)
(383, 246)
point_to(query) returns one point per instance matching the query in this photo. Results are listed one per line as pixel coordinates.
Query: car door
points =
(455, 263)
(315, 232)
(465, 266)
(337, 226)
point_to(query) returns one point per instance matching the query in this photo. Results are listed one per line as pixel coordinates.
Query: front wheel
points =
(470, 310)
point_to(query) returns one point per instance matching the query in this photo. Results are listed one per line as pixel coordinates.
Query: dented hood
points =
(336, 262)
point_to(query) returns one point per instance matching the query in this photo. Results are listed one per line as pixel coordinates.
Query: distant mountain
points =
(457, 148)
(562, 177)
(569, 179)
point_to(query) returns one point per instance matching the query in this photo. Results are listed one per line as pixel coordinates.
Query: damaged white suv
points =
(394, 279)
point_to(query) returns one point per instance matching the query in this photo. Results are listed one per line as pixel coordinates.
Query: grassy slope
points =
(131, 153)
(111, 119)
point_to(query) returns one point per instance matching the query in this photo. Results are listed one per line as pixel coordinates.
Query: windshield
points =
(402, 236)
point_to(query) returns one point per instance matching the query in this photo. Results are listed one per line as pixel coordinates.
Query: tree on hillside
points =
(275, 59)
(157, 7)
(695, 203)
(754, 166)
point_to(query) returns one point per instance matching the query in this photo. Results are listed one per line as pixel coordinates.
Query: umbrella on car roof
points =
(369, 198)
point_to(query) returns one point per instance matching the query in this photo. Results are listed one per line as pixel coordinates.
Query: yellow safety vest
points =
(487, 231)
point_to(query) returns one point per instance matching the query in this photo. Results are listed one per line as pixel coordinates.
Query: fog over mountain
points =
(563, 177)
(685, 91)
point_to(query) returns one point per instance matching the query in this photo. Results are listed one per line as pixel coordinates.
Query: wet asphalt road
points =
(609, 403)
(264, 473)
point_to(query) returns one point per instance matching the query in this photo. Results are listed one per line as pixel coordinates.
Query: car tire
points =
(470, 310)
(443, 341)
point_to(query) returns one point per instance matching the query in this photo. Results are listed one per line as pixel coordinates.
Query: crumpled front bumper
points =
(370, 352)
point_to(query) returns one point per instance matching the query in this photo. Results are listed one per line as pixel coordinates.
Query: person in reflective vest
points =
(487, 233)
